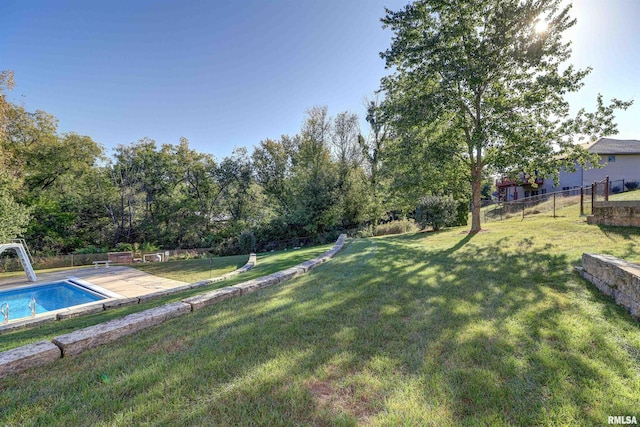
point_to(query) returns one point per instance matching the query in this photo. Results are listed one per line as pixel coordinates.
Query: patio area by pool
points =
(125, 281)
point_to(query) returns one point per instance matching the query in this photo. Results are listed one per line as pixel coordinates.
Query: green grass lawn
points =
(436, 329)
(626, 196)
(194, 270)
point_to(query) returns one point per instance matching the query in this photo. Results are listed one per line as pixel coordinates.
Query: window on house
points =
(544, 191)
(612, 159)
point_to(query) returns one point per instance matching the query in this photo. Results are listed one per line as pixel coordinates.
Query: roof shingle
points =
(614, 146)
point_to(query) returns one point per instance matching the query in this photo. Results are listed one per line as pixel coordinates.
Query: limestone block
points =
(204, 300)
(30, 322)
(28, 356)
(615, 277)
(626, 284)
(121, 302)
(306, 266)
(270, 280)
(603, 287)
(82, 310)
(622, 299)
(287, 274)
(76, 342)
(247, 287)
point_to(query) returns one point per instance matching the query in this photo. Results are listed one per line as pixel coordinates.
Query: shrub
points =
(227, 247)
(365, 231)
(123, 247)
(462, 214)
(436, 211)
(247, 242)
(148, 247)
(396, 227)
(631, 185)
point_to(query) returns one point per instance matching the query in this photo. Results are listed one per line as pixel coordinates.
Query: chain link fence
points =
(542, 203)
(10, 262)
(599, 191)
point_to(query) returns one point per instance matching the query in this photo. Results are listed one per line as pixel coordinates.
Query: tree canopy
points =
(485, 87)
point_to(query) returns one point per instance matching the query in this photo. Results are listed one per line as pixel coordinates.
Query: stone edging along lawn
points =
(98, 306)
(44, 352)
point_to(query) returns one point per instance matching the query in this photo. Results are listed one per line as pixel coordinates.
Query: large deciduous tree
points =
(315, 178)
(488, 84)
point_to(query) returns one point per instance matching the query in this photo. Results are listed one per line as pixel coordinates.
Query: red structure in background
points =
(527, 184)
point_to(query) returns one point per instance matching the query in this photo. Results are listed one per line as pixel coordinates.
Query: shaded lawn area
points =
(427, 329)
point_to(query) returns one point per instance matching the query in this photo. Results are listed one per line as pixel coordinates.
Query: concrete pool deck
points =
(125, 281)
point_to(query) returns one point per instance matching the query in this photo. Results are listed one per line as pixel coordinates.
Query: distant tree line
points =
(63, 192)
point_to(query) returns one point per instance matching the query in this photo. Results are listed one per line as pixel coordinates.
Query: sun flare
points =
(541, 26)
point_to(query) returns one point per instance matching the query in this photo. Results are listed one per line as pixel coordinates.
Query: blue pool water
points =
(49, 297)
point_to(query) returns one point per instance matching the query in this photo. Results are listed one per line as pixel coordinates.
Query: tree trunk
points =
(476, 194)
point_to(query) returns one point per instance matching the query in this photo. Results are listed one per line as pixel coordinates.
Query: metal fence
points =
(542, 203)
(606, 189)
(599, 191)
(10, 262)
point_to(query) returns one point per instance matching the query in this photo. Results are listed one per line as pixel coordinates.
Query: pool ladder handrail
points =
(31, 304)
(4, 310)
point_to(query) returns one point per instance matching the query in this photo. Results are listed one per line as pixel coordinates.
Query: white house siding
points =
(626, 166)
(567, 180)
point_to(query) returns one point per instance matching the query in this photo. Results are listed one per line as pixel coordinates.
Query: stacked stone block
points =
(614, 277)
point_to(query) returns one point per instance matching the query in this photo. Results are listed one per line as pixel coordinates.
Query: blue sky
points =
(232, 73)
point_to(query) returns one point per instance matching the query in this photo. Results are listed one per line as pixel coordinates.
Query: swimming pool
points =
(48, 297)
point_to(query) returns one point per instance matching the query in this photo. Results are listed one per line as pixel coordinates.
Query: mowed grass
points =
(194, 270)
(435, 329)
(633, 195)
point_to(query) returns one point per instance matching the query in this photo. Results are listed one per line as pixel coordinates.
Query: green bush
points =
(462, 214)
(148, 247)
(396, 227)
(631, 185)
(247, 242)
(365, 231)
(123, 247)
(436, 211)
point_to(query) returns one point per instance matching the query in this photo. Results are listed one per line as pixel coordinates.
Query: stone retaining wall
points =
(71, 344)
(615, 277)
(621, 213)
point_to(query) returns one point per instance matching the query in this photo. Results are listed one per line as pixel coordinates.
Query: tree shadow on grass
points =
(390, 331)
(619, 231)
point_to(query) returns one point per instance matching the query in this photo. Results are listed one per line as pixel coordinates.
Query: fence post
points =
(581, 201)
(606, 191)
(554, 205)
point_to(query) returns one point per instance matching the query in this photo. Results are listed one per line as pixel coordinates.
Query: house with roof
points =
(621, 160)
